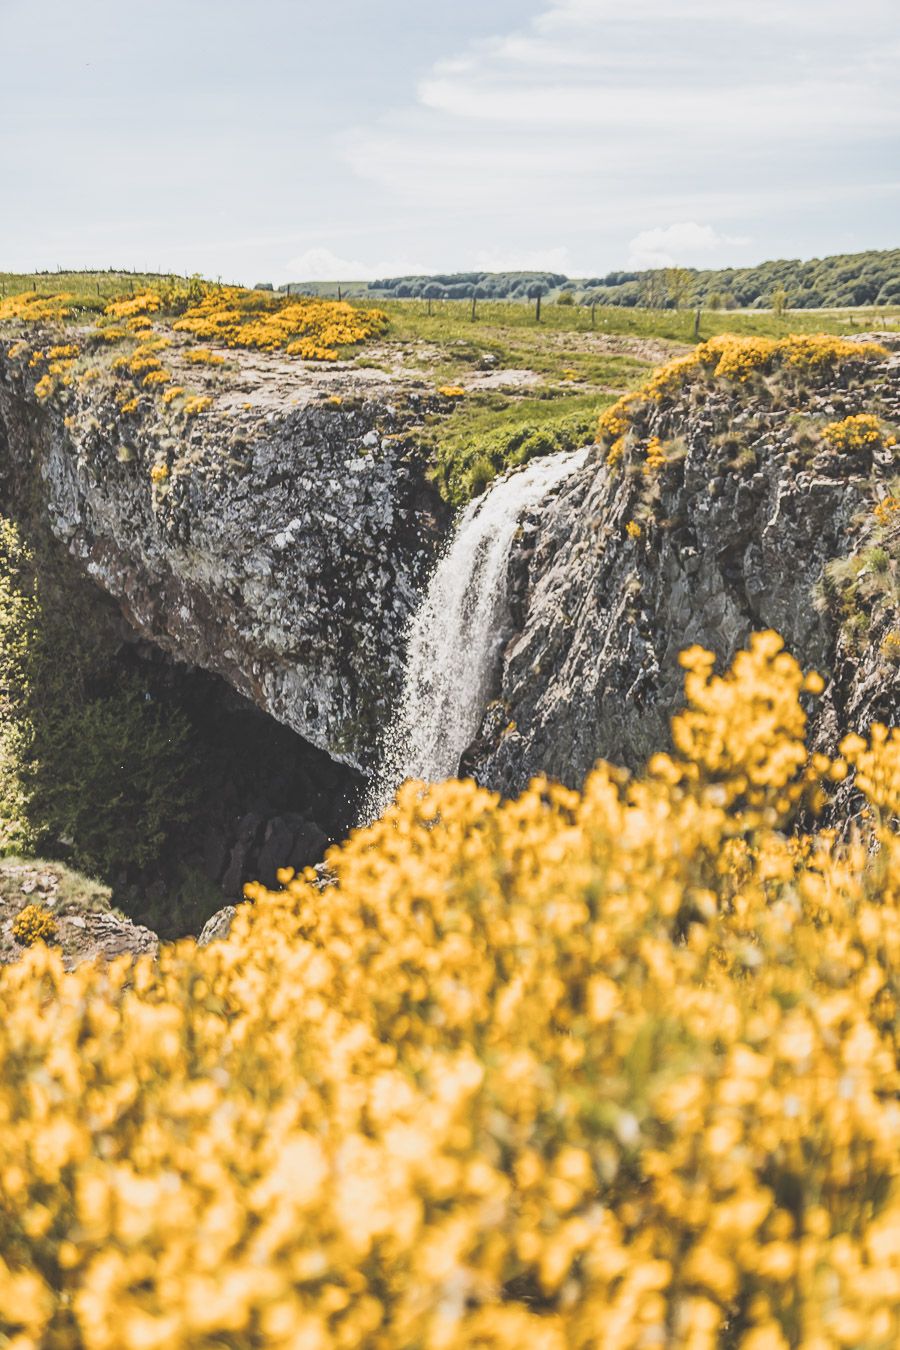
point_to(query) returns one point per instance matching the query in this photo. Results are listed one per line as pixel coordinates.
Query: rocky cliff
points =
(279, 540)
(726, 506)
(282, 540)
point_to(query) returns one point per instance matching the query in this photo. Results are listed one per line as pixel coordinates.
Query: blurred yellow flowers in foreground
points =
(609, 1069)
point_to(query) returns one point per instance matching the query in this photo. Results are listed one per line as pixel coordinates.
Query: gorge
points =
(285, 570)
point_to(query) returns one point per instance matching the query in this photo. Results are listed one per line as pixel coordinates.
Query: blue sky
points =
(285, 139)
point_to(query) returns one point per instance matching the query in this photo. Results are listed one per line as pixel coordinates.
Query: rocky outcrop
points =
(281, 549)
(732, 534)
(85, 928)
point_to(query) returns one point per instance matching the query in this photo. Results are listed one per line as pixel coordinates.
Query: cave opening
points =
(261, 798)
(153, 777)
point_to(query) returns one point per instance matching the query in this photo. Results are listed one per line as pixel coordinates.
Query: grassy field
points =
(453, 318)
(90, 288)
(449, 319)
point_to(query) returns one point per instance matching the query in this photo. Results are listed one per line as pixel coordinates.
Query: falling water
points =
(456, 636)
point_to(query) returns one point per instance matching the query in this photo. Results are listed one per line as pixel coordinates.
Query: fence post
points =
(697, 321)
(537, 308)
(474, 301)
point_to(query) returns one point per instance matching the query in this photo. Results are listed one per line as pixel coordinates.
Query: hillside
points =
(841, 281)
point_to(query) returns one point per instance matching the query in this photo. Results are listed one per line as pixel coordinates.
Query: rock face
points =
(281, 551)
(735, 532)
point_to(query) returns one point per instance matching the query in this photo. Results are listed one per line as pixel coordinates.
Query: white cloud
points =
(686, 242)
(599, 116)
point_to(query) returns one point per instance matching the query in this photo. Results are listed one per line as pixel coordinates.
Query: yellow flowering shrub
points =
(451, 391)
(35, 307)
(736, 359)
(139, 362)
(45, 387)
(197, 404)
(33, 924)
(655, 457)
(156, 378)
(309, 328)
(134, 306)
(861, 432)
(887, 511)
(67, 352)
(633, 530)
(174, 391)
(159, 472)
(201, 356)
(581, 1071)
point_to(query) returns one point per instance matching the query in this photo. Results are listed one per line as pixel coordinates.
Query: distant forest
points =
(846, 279)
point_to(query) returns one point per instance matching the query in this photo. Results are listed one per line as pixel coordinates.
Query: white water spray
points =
(456, 636)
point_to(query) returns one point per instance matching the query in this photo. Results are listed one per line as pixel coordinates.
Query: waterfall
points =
(457, 634)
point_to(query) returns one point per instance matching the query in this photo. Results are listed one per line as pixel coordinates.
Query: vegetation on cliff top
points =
(800, 360)
(611, 1068)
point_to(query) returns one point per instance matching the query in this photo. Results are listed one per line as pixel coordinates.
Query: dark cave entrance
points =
(263, 798)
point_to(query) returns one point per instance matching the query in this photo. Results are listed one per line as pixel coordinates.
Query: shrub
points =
(201, 357)
(97, 762)
(309, 328)
(33, 924)
(861, 432)
(614, 1068)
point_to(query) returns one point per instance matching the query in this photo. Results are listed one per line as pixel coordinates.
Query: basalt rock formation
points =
(279, 546)
(627, 565)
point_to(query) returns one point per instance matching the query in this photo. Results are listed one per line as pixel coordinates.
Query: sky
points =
(278, 140)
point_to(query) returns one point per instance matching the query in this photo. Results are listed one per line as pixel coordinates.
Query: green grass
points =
(90, 288)
(479, 441)
(452, 319)
(74, 892)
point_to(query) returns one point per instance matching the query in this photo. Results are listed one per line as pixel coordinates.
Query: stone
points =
(217, 928)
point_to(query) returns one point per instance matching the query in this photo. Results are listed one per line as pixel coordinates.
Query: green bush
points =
(90, 761)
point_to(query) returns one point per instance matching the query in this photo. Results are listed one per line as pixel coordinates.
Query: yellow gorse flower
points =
(35, 307)
(863, 431)
(309, 328)
(736, 359)
(33, 924)
(611, 1068)
(134, 306)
